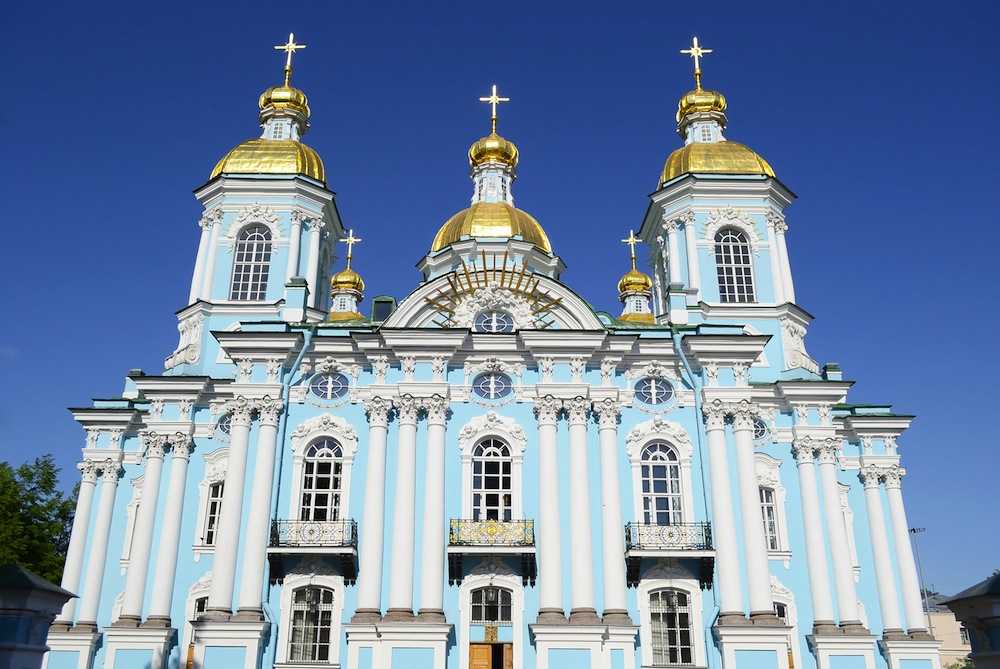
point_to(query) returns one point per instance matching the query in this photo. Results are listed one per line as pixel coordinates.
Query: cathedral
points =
(488, 473)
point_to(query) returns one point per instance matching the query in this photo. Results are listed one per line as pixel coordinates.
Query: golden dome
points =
(493, 147)
(700, 100)
(635, 281)
(285, 97)
(347, 279)
(491, 219)
(714, 158)
(272, 156)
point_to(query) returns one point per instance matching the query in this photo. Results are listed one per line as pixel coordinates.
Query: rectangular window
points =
(706, 133)
(278, 131)
(312, 619)
(212, 512)
(769, 513)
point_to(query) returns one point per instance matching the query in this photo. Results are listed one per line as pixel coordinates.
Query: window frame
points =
(249, 278)
(481, 508)
(769, 478)
(215, 472)
(665, 576)
(502, 428)
(333, 508)
(734, 266)
(326, 426)
(319, 575)
(671, 433)
(649, 460)
(496, 573)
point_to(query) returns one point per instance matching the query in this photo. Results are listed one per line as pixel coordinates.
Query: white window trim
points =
(782, 595)
(768, 476)
(664, 576)
(215, 472)
(198, 590)
(492, 426)
(491, 571)
(130, 513)
(845, 507)
(659, 429)
(310, 572)
(324, 426)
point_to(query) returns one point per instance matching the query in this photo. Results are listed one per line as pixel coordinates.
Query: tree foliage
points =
(35, 517)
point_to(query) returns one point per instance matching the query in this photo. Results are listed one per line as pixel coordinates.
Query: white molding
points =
(215, 472)
(656, 430)
(319, 575)
(130, 514)
(324, 426)
(491, 571)
(769, 476)
(662, 576)
(487, 426)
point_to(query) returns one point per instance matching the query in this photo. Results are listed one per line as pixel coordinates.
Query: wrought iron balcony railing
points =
(318, 533)
(492, 532)
(681, 537)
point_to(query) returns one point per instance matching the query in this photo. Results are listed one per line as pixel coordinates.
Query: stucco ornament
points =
(255, 213)
(492, 422)
(380, 365)
(327, 424)
(732, 218)
(654, 368)
(331, 364)
(188, 349)
(659, 426)
(793, 341)
(493, 298)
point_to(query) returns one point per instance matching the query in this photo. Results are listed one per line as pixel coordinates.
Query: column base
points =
(399, 616)
(366, 616)
(249, 615)
(732, 619)
(84, 627)
(921, 634)
(60, 626)
(431, 616)
(895, 635)
(854, 627)
(216, 614)
(825, 627)
(157, 622)
(616, 617)
(127, 621)
(551, 617)
(766, 619)
(584, 616)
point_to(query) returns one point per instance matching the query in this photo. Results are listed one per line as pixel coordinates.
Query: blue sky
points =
(877, 115)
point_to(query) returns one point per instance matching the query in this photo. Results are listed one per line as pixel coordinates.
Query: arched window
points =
(734, 264)
(661, 485)
(491, 606)
(322, 481)
(312, 617)
(492, 490)
(670, 628)
(251, 265)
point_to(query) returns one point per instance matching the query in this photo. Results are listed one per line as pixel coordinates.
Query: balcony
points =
(337, 538)
(491, 537)
(681, 540)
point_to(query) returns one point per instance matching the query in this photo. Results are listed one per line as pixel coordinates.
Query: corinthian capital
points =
(804, 451)
(715, 415)
(378, 409)
(893, 476)
(181, 445)
(269, 408)
(743, 414)
(547, 410)
(240, 410)
(870, 475)
(826, 451)
(607, 412)
(88, 471)
(407, 408)
(154, 444)
(111, 470)
(436, 407)
(578, 409)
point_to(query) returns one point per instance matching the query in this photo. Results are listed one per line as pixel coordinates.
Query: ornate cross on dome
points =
(289, 48)
(632, 239)
(493, 99)
(350, 240)
(696, 52)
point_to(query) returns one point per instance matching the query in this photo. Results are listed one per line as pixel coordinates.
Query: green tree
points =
(35, 517)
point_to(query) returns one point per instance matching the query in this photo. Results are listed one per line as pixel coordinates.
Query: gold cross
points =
(696, 52)
(289, 48)
(493, 99)
(350, 240)
(632, 239)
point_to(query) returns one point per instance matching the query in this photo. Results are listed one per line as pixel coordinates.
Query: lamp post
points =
(915, 531)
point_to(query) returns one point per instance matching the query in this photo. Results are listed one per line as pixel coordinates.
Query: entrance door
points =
(491, 656)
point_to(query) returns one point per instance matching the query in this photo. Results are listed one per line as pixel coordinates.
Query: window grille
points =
(312, 617)
(322, 479)
(661, 485)
(491, 606)
(252, 264)
(213, 512)
(492, 493)
(734, 266)
(670, 628)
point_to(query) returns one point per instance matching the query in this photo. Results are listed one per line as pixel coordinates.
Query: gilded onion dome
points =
(347, 279)
(493, 147)
(700, 100)
(285, 97)
(635, 281)
(491, 220)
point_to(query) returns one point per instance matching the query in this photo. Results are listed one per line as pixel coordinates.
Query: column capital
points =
(378, 409)
(407, 408)
(547, 410)
(240, 410)
(607, 411)
(436, 407)
(181, 445)
(826, 451)
(210, 218)
(88, 470)
(893, 476)
(715, 414)
(578, 409)
(870, 475)
(111, 470)
(804, 451)
(743, 413)
(154, 444)
(269, 408)
(315, 224)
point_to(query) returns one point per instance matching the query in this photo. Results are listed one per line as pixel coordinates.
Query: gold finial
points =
(632, 239)
(289, 48)
(493, 99)
(350, 240)
(696, 53)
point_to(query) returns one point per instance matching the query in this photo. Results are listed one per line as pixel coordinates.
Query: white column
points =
(843, 570)
(754, 542)
(548, 535)
(312, 274)
(691, 244)
(92, 585)
(199, 265)
(812, 519)
(373, 518)
(723, 518)
(612, 537)
(885, 579)
(78, 539)
(259, 521)
(777, 273)
(403, 514)
(581, 536)
(786, 268)
(142, 534)
(169, 539)
(673, 248)
(213, 250)
(294, 245)
(220, 594)
(433, 540)
(913, 609)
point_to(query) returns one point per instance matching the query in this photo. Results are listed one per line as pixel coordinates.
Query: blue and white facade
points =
(489, 474)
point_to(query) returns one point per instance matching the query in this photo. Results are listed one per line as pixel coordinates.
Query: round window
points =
(225, 424)
(651, 390)
(494, 321)
(329, 386)
(492, 385)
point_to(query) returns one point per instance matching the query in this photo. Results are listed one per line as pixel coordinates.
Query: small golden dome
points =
(494, 220)
(635, 281)
(700, 100)
(493, 147)
(285, 97)
(347, 279)
(272, 156)
(714, 158)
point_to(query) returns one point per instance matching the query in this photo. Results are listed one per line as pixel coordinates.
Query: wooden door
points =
(508, 656)
(480, 656)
